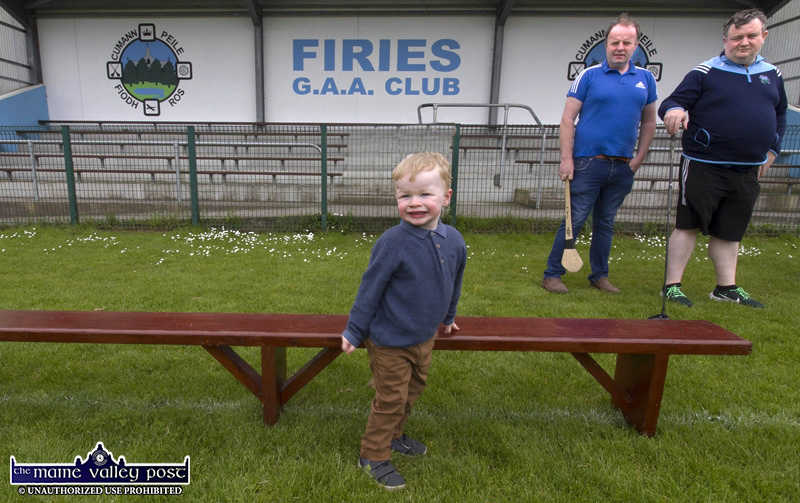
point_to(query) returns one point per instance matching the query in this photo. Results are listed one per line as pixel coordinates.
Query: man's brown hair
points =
(625, 19)
(742, 18)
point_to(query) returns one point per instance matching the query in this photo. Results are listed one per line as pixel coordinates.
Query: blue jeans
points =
(598, 186)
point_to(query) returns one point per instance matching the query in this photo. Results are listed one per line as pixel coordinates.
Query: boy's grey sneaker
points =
(735, 294)
(408, 446)
(384, 473)
(674, 294)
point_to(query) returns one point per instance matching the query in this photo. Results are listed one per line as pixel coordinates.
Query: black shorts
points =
(717, 200)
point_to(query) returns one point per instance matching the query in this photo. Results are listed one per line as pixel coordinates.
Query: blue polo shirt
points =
(412, 285)
(608, 122)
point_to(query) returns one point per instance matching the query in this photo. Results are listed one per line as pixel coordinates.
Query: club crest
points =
(148, 69)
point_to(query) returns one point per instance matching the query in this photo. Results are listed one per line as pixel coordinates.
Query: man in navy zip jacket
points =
(733, 112)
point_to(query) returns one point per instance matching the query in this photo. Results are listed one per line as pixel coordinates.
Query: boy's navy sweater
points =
(736, 113)
(411, 286)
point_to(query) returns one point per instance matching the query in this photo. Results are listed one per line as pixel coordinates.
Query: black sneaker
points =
(735, 294)
(674, 294)
(384, 474)
(408, 446)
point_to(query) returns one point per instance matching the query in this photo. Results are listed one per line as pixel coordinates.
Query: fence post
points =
(193, 175)
(176, 146)
(324, 170)
(70, 172)
(34, 176)
(454, 184)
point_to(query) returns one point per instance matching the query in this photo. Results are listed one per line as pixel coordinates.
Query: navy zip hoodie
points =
(736, 113)
(411, 286)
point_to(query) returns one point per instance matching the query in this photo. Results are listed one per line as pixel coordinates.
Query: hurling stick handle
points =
(567, 212)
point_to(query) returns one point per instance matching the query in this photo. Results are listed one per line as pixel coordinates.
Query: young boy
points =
(411, 286)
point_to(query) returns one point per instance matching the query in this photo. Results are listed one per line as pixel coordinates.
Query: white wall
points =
(782, 48)
(445, 60)
(222, 85)
(538, 51)
(390, 92)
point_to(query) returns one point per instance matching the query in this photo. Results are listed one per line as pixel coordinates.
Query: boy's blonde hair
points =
(414, 164)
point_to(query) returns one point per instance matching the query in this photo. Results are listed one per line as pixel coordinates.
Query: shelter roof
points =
(24, 10)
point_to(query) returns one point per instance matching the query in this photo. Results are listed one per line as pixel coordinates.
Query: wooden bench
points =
(494, 148)
(282, 159)
(535, 163)
(499, 136)
(643, 347)
(297, 135)
(788, 181)
(169, 159)
(210, 173)
(141, 134)
(557, 162)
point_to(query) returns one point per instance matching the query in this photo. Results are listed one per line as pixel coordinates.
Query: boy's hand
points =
(346, 346)
(448, 329)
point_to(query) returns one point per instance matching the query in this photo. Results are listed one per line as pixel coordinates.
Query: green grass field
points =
(500, 427)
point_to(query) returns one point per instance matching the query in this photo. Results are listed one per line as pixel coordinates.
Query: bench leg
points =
(303, 376)
(272, 387)
(643, 378)
(237, 366)
(273, 375)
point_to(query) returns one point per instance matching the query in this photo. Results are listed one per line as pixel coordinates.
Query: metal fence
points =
(296, 177)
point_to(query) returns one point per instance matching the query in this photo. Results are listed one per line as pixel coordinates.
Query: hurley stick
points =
(570, 259)
(663, 314)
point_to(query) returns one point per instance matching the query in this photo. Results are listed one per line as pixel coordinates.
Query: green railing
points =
(297, 177)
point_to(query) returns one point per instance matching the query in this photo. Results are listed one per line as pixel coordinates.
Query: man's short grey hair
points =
(744, 17)
(625, 19)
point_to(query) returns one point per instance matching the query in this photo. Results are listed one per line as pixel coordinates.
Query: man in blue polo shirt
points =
(616, 102)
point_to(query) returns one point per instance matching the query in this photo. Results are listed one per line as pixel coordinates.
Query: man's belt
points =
(612, 158)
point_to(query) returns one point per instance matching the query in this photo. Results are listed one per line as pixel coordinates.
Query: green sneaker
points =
(674, 294)
(735, 294)
(384, 474)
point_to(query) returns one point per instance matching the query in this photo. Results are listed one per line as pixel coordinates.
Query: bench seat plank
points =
(590, 335)
(204, 329)
(642, 347)
(324, 330)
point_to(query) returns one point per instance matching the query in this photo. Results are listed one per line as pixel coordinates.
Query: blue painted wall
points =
(793, 119)
(21, 109)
